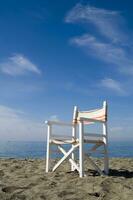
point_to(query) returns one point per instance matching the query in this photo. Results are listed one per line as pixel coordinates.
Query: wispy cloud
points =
(18, 65)
(114, 46)
(107, 22)
(14, 125)
(107, 52)
(113, 85)
(99, 87)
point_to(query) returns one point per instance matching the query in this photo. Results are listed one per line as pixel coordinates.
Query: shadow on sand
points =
(121, 173)
(113, 172)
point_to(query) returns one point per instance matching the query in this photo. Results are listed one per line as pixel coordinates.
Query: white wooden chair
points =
(80, 118)
(60, 141)
(98, 140)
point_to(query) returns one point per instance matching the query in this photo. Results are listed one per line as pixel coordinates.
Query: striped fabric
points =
(98, 114)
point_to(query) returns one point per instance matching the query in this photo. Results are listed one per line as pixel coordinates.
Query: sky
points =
(57, 54)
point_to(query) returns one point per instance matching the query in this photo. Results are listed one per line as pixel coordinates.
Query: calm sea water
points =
(38, 149)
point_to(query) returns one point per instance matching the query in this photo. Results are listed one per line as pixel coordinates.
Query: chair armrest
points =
(89, 120)
(60, 123)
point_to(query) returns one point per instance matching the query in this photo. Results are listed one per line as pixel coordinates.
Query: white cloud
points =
(103, 50)
(107, 22)
(115, 45)
(15, 126)
(107, 52)
(18, 65)
(113, 85)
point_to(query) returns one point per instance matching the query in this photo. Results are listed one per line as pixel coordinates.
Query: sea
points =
(21, 149)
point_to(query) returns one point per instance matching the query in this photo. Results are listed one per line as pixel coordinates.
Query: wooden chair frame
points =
(78, 142)
(59, 142)
(97, 143)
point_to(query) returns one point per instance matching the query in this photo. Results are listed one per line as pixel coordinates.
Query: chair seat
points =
(63, 140)
(72, 141)
(88, 138)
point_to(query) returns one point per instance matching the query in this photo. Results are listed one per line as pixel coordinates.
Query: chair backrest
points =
(97, 114)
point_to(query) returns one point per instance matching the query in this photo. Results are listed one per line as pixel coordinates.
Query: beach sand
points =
(26, 179)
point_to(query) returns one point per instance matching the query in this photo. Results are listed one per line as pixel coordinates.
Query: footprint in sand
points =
(10, 189)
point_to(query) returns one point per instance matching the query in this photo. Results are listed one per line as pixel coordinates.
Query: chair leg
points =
(106, 160)
(81, 153)
(48, 149)
(73, 153)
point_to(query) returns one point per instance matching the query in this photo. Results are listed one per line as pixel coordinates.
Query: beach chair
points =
(77, 141)
(60, 141)
(96, 140)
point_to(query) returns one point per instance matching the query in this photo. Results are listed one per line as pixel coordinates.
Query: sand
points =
(26, 179)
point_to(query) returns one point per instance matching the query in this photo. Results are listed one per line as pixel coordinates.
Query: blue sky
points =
(57, 54)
